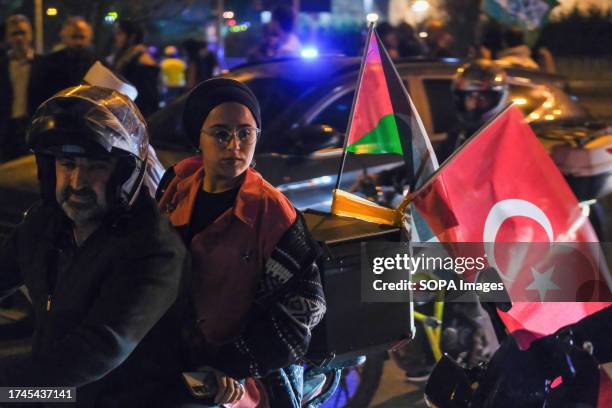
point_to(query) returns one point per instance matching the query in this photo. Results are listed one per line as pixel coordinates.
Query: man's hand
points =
(230, 390)
(552, 372)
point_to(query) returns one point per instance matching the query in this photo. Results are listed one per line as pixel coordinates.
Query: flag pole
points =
(467, 142)
(350, 123)
(411, 194)
(389, 70)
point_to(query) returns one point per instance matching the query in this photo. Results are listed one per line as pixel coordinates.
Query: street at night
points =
(306, 203)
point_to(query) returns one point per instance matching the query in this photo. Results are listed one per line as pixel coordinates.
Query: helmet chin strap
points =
(130, 188)
(125, 184)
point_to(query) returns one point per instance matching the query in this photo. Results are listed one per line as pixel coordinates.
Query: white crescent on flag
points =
(504, 210)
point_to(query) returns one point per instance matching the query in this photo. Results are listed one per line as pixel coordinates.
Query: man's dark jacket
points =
(101, 329)
(57, 71)
(6, 91)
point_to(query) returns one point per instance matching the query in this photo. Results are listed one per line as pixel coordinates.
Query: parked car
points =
(305, 109)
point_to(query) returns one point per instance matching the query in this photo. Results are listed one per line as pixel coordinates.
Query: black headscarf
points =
(211, 93)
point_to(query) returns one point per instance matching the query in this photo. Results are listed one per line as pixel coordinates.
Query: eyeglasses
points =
(16, 33)
(246, 135)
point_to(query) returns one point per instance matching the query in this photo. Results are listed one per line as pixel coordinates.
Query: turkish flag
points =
(502, 187)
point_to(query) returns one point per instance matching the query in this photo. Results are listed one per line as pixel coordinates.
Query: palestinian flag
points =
(385, 121)
(373, 127)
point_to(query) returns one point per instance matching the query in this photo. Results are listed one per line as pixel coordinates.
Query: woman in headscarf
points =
(256, 289)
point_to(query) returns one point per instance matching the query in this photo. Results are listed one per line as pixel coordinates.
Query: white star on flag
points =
(542, 282)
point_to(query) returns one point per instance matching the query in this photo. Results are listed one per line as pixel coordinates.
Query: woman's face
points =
(120, 38)
(227, 160)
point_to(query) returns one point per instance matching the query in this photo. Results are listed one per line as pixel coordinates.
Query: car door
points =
(433, 98)
(309, 180)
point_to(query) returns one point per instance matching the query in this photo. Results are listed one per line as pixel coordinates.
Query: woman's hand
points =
(230, 390)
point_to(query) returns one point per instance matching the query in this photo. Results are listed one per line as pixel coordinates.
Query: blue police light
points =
(265, 16)
(309, 52)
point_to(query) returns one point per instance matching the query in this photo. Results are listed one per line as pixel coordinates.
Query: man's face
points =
(80, 187)
(477, 102)
(19, 35)
(77, 36)
(121, 38)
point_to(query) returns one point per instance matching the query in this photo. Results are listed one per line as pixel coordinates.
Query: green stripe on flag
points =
(384, 138)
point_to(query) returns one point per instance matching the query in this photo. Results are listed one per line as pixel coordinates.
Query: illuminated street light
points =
(111, 17)
(423, 34)
(420, 6)
(52, 11)
(228, 14)
(372, 17)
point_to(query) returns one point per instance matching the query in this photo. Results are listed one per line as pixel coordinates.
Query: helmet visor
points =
(92, 118)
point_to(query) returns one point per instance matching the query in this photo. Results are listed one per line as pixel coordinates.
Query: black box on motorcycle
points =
(350, 326)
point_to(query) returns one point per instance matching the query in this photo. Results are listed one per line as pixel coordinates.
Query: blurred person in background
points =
(491, 42)
(410, 44)
(66, 67)
(515, 51)
(173, 73)
(439, 40)
(3, 44)
(15, 73)
(283, 17)
(133, 62)
(545, 59)
(269, 46)
(388, 35)
(480, 91)
(201, 62)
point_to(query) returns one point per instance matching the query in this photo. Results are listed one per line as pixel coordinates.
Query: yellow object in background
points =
(173, 72)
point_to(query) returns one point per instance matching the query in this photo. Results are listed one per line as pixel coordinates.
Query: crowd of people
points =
(506, 45)
(27, 79)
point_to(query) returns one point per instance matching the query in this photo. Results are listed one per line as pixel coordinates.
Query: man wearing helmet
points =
(480, 92)
(101, 265)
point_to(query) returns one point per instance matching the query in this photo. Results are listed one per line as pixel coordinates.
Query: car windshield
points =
(275, 95)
